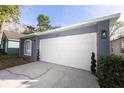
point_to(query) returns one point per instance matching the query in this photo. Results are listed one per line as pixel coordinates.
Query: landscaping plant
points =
(7, 61)
(111, 71)
(93, 64)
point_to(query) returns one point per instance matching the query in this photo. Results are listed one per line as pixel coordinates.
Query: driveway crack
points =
(30, 78)
(19, 74)
(27, 76)
(44, 72)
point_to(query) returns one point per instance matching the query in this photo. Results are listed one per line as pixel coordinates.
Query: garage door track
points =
(48, 75)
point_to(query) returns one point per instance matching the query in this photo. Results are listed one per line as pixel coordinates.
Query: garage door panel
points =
(74, 51)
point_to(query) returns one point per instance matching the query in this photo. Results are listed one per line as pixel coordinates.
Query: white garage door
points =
(74, 51)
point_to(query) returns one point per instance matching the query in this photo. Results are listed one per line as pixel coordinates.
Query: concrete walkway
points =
(42, 74)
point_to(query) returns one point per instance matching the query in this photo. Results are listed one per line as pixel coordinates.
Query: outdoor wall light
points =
(104, 34)
(34, 41)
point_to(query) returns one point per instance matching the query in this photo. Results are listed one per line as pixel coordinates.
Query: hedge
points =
(111, 71)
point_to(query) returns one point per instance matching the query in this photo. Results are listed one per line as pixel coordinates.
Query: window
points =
(27, 47)
(122, 47)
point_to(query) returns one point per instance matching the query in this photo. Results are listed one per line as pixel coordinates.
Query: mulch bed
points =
(6, 62)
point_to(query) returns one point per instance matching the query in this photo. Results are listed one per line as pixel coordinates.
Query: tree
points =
(116, 27)
(8, 12)
(30, 29)
(43, 22)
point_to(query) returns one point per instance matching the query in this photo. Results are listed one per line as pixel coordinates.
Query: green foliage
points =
(6, 56)
(7, 12)
(43, 22)
(93, 64)
(111, 71)
(29, 30)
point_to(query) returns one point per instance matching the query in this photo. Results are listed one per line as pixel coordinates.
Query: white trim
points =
(6, 46)
(16, 40)
(112, 19)
(122, 44)
(30, 47)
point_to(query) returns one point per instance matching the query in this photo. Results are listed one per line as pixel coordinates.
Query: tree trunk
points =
(0, 28)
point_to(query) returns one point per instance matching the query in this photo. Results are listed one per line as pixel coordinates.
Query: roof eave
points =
(112, 19)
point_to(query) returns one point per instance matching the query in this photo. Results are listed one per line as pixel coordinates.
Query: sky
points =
(67, 14)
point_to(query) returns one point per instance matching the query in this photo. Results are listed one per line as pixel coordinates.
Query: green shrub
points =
(111, 71)
(93, 64)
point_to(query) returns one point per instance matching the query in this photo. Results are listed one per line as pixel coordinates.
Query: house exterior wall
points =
(13, 47)
(76, 31)
(116, 46)
(34, 52)
(4, 43)
(9, 46)
(35, 46)
(102, 44)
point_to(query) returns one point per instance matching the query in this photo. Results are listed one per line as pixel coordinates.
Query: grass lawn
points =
(7, 61)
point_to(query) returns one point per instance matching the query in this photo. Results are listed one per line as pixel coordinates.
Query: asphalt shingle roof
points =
(13, 35)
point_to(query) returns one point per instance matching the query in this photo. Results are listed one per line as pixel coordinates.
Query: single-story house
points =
(71, 45)
(117, 46)
(10, 42)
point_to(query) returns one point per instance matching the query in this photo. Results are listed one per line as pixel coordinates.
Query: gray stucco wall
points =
(7, 49)
(83, 30)
(34, 53)
(103, 44)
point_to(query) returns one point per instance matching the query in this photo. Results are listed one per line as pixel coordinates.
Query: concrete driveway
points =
(42, 74)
